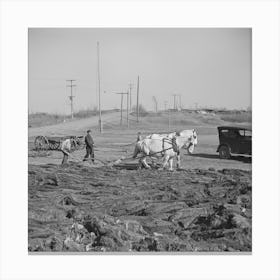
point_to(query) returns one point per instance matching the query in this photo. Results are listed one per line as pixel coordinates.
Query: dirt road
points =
(116, 142)
(72, 126)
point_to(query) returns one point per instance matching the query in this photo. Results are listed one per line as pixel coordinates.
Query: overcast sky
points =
(211, 67)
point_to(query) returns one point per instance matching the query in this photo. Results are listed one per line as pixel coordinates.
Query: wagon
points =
(54, 142)
(234, 140)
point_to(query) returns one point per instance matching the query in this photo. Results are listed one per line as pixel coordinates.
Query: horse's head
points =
(194, 137)
(190, 137)
(192, 141)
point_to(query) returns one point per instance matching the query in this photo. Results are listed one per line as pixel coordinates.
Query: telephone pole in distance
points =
(137, 100)
(130, 96)
(71, 97)
(127, 106)
(99, 97)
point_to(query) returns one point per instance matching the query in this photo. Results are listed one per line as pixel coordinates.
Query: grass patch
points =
(237, 117)
(43, 119)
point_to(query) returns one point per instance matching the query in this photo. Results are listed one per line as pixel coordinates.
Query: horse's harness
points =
(172, 142)
(175, 147)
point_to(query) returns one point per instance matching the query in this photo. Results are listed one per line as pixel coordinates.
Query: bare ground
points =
(206, 206)
(79, 208)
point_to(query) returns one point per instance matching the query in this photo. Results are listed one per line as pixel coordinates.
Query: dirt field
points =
(206, 206)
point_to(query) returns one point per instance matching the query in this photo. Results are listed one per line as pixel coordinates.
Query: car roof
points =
(235, 127)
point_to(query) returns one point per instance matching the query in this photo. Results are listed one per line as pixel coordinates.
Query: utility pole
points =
(180, 104)
(99, 99)
(71, 97)
(169, 119)
(121, 106)
(130, 98)
(122, 93)
(165, 105)
(174, 95)
(168, 113)
(155, 103)
(127, 109)
(137, 99)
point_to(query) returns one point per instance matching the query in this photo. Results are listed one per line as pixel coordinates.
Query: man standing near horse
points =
(89, 146)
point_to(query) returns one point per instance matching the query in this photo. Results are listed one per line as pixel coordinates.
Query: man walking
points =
(89, 146)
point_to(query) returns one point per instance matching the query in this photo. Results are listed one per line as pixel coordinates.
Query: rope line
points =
(164, 140)
(118, 160)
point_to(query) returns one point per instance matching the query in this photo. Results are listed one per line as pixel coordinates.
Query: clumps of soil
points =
(68, 200)
(113, 210)
(205, 226)
(40, 153)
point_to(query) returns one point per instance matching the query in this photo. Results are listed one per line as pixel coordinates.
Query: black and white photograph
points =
(140, 140)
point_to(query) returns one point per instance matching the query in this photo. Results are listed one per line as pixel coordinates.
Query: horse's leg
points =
(178, 161)
(166, 158)
(144, 162)
(140, 164)
(146, 152)
(171, 164)
(153, 161)
(136, 152)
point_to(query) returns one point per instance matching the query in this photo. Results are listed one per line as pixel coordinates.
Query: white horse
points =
(190, 133)
(160, 146)
(193, 140)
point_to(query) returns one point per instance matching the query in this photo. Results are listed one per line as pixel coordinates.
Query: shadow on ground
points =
(245, 159)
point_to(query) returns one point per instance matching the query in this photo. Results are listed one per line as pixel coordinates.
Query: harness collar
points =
(173, 143)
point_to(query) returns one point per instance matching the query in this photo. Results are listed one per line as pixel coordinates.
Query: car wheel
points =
(224, 152)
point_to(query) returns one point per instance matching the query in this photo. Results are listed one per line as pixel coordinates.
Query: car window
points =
(230, 133)
(248, 133)
(224, 132)
(241, 132)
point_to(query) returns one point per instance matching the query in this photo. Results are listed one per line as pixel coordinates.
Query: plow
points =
(53, 143)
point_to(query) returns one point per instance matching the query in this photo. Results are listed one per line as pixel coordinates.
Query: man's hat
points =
(88, 131)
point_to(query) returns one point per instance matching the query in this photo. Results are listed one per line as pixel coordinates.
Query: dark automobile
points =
(234, 140)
